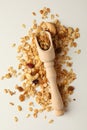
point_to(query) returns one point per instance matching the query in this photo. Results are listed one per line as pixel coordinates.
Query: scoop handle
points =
(57, 102)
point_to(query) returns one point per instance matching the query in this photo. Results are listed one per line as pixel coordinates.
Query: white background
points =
(13, 13)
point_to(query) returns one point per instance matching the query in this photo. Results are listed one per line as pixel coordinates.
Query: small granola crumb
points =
(16, 119)
(51, 121)
(31, 104)
(35, 115)
(74, 99)
(11, 92)
(57, 15)
(44, 12)
(21, 97)
(30, 109)
(35, 110)
(11, 103)
(19, 108)
(19, 88)
(28, 115)
(34, 13)
(23, 25)
(1, 78)
(5, 91)
(8, 75)
(78, 51)
(52, 16)
(13, 45)
(45, 117)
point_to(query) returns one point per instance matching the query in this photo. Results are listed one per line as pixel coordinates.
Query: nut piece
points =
(51, 28)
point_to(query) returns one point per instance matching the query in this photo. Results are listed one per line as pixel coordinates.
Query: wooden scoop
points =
(48, 56)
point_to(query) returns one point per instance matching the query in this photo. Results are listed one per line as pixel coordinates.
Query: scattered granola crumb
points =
(35, 115)
(78, 51)
(31, 104)
(73, 44)
(9, 92)
(8, 76)
(19, 88)
(74, 99)
(52, 16)
(23, 25)
(19, 108)
(2, 78)
(57, 15)
(21, 97)
(51, 121)
(45, 117)
(14, 44)
(5, 91)
(35, 110)
(11, 103)
(34, 13)
(16, 119)
(28, 115)
(30, 109)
